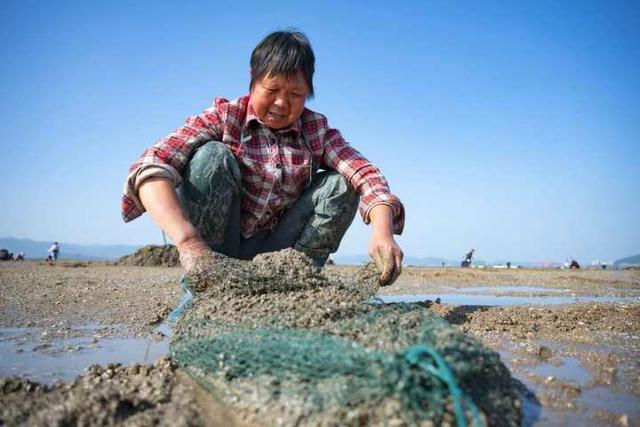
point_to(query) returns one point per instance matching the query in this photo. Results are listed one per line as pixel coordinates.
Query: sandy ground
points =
(579, 362)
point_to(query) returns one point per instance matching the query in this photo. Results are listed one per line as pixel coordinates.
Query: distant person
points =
(574, 265)
(247, 173)
(466, 262)
(469, 255)
(53, 252)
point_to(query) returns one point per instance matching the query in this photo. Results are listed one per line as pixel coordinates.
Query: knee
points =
(339, 187)
(211, 160)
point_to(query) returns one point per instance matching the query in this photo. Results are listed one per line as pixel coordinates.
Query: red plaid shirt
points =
(275, 165)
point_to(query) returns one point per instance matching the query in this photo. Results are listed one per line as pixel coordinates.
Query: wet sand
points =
(578, 361)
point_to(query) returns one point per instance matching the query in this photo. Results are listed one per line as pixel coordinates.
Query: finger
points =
(386, 268)
(396, 273)
(379, 262)
(399, 263)
(385, 278)
(377, 259)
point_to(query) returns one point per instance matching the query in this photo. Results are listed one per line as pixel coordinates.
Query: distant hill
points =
(38, 249)
(408, 260)
(635, 259)
(426, 261)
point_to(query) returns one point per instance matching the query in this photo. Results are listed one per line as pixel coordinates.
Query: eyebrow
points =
(274, 86)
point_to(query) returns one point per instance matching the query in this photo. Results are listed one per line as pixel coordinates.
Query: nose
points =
(281, 101)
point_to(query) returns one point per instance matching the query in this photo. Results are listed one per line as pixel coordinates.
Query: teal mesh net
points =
(282, 343)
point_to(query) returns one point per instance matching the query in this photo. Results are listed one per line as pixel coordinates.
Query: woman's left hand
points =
(388, 258)
(383, 248)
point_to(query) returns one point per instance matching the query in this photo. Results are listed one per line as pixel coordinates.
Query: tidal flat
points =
(87, 342)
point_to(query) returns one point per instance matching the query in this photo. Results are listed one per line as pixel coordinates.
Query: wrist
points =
(381, 232)
(188, 238)
(381, 217)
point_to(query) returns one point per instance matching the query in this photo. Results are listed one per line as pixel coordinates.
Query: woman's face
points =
(278, 101)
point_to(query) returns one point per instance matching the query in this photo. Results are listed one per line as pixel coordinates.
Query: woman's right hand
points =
(190, 251)
(160, 200)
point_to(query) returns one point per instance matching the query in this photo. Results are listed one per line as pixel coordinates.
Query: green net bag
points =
(284, 344)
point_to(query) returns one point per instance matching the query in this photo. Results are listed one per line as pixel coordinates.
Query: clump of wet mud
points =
(153, 256)
(112, 395)
(579, 322)
(291, 316)
(282, 288)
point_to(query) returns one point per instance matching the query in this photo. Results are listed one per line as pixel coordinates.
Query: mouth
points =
(276, 116)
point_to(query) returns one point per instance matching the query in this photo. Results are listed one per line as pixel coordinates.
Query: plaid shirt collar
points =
(252, 120)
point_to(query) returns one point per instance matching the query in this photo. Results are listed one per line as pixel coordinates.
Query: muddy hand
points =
(190, 251)
(388, 265)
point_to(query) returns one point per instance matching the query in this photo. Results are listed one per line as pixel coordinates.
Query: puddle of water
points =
(529, 289)
(569, 371)
(17, 331)
(65, 359)
(589, 401)
(600, 398)
(493, 300)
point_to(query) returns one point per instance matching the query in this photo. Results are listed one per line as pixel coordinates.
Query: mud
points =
(153, 256)
(593, 348)
(137, 395)
(66, 295)
(225, 287)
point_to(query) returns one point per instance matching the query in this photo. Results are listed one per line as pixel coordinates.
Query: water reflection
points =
(494, 300)
(65, 358)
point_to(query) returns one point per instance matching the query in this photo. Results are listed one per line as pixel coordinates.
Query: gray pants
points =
(315, 224)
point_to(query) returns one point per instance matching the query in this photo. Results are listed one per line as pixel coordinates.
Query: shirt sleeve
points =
(363, 176)
(169, 156)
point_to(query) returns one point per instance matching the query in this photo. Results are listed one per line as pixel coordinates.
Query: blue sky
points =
(510, 127)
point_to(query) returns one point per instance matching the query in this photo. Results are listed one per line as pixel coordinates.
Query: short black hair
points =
(286, 53)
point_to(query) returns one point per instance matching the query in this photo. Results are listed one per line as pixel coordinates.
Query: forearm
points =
(363, 176)
(160, 199)
(168, 157)
(381, 217)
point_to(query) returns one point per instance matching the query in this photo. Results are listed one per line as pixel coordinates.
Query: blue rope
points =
(185, 302)
(419, 355)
